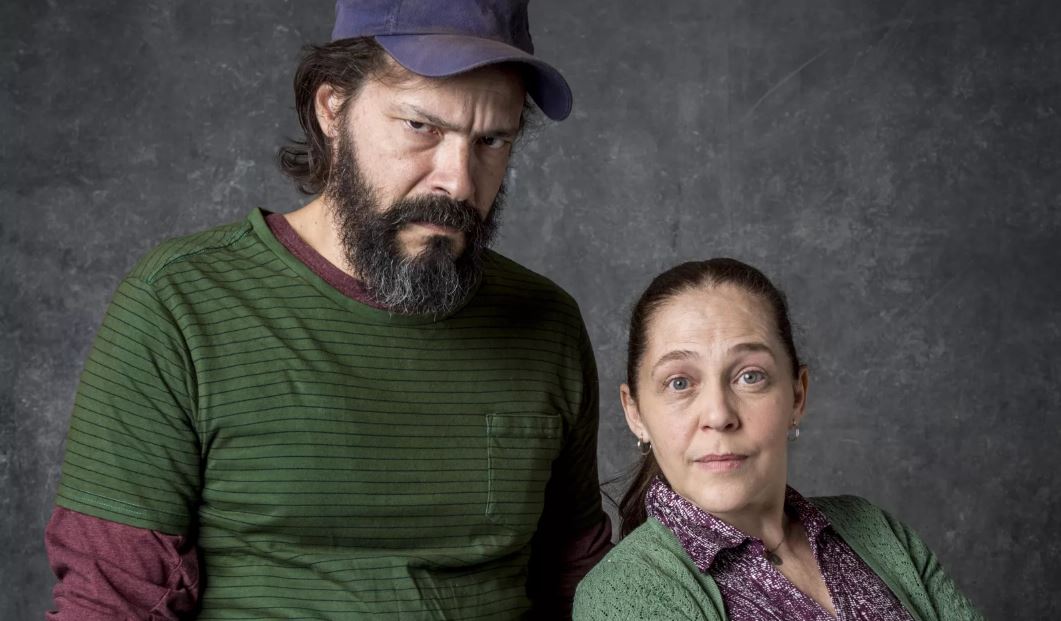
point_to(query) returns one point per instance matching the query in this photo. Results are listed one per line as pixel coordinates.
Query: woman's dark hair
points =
(666, 286)
(345, 64)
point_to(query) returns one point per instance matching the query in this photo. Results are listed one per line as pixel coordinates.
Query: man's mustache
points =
(438, 210)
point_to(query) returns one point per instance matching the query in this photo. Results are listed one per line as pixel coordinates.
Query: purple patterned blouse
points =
(752, 588)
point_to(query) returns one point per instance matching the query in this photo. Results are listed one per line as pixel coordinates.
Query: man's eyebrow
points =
(430, 118)
(677, 354)
(501, 132)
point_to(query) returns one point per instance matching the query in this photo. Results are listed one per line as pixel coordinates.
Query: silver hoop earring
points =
(793, 433)
(643, 447)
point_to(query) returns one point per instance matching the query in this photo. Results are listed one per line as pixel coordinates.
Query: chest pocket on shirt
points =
(520, 453)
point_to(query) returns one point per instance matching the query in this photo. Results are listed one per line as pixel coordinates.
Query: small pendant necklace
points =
(774, 559)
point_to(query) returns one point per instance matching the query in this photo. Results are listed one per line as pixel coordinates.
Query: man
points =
(356, 409)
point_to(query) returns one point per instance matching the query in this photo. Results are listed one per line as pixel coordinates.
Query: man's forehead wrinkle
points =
(467, 126)
(415, 110)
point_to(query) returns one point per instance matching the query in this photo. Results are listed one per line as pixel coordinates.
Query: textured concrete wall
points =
(894, 166)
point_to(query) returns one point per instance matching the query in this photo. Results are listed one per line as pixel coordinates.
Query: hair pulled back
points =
(668, 285)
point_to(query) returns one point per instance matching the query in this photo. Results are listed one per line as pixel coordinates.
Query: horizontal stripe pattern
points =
(335, 461)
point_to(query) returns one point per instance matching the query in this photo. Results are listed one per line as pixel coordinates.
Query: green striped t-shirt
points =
(335, 461)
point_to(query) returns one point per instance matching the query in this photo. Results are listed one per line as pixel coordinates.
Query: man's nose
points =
(453, 173)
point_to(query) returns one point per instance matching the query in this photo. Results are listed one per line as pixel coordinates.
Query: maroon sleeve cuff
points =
(107, 570)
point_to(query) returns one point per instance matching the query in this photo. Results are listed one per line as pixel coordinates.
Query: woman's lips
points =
(721, 463)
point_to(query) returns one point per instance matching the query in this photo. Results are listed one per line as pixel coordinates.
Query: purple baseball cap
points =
(438, 38)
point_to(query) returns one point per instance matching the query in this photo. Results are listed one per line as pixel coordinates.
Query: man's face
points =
(417, 182)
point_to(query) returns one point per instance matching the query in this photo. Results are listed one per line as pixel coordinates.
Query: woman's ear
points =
(799, 389)
(633, 414)
(327, 104)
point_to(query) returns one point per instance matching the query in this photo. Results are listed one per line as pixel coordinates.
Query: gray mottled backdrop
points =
(895, 166)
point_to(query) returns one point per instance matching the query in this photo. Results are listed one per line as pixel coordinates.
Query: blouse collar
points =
(703, 535)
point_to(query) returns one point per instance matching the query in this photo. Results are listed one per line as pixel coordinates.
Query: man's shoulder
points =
(200, 246)
(505, 276)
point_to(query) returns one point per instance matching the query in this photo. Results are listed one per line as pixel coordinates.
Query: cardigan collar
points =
(703, 535)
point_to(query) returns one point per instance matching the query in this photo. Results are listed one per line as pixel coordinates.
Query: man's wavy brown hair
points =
(345, 65)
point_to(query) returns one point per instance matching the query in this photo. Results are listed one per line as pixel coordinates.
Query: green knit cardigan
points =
(650, 576)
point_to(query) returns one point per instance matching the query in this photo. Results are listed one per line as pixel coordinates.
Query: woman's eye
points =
(752, 377)
(679, 383)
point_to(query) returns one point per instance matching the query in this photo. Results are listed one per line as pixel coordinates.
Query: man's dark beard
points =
(433, 282)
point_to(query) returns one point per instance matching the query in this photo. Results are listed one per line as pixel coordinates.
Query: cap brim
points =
(441, 55)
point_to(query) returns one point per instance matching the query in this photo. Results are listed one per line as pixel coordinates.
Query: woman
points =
(714, 394)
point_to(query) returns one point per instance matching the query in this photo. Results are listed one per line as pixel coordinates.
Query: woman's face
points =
(716, 397)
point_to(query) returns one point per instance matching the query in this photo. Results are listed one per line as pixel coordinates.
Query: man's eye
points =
(493, 142)
(752, 377)
(678, 383)
(418, 127)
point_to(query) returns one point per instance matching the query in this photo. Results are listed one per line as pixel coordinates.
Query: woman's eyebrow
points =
(685, 354)
(751, 346)
(677, 354)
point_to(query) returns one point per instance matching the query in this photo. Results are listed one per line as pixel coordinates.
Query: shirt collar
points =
(703, 535)
(813, 520)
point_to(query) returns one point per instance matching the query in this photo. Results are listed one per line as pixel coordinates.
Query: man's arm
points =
(118, 540)
(108, 570)
(573, 533)
(559, 562)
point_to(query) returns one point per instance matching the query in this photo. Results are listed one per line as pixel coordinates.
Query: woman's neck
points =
(765, 520)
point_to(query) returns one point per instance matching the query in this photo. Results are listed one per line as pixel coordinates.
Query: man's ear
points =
(327, 104)
(633, 414)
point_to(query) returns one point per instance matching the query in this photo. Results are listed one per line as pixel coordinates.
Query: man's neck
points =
(326, 270)
(315, 225)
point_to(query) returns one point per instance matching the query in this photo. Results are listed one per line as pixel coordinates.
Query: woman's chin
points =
(719, 498)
